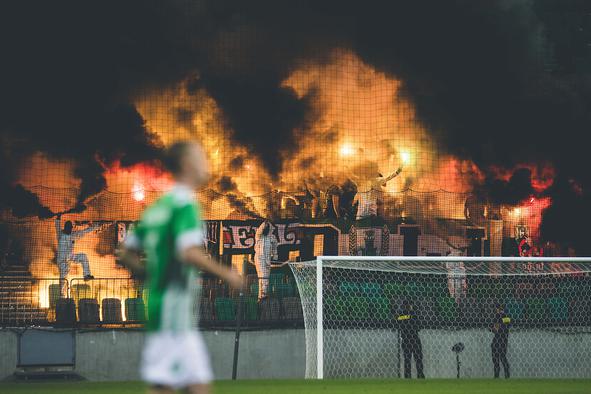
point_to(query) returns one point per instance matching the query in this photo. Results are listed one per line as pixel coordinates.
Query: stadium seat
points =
(349, 288)
(88, 311)
(54, 294)
(112, 310)
(205, 310)
(135, 309)
(250, 279)
(276, 279)
(558, 308)
(270, 309)
(514, 308)
(254, 289)
(225, 309)
(251, 309)
(292, 308)
(412, 290)
(65, 312)
(282, 290)
(371, 289)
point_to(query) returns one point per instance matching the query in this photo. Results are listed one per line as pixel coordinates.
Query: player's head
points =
(187, 162)
(68, 227)
(500, 308)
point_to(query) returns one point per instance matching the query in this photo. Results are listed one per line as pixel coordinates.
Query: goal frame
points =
(319, 282)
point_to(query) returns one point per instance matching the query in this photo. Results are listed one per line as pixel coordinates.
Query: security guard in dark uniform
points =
(500, 329)
(410, 342)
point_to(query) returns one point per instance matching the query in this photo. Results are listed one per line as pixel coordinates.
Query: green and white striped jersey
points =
(167, 227)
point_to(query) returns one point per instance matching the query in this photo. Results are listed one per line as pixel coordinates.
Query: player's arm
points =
(195, 255)
(129, 256)
(130, 259)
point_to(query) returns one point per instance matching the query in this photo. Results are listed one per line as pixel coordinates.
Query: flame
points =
(138, 191)
(405, 156)
(346, 150)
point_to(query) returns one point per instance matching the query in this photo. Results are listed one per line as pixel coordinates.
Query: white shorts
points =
(175, 359)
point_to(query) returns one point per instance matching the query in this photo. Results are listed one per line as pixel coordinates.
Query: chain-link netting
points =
(388, 318)
(333, 152)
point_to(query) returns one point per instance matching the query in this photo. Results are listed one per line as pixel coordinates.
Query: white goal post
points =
(357, 303)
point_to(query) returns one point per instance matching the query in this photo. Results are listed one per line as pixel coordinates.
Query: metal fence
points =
(27, 301)
(123, 302)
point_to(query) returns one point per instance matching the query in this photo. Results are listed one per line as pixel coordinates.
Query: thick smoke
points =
(499, 82)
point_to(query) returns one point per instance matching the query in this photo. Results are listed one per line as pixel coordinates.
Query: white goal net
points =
(443, 317)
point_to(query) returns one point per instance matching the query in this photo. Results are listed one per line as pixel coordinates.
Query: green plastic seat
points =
(371, 289)
(348, 289)
(225, 309)
(283, 290)
(251, 308)
(412, 289)
(276, 279)
(254, 289)
(558, 307)
(135, 309)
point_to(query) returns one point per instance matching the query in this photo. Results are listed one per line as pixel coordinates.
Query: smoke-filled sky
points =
(499, 83)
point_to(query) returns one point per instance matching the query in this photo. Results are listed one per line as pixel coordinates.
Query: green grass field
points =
(440, 386)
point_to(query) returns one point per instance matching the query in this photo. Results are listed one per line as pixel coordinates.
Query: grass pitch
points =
(439, 386)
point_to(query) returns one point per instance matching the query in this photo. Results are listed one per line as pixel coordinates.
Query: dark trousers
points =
(411, 347)
(499, 354)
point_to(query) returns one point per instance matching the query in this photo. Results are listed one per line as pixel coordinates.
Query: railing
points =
(28, 301)
(123, 302)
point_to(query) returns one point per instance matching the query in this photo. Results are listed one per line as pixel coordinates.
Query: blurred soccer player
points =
(170, 234)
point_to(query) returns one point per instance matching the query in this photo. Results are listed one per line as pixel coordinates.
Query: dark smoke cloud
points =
(237, 163)
(226, 184)
(511, 192)
(22, 202)
(262, 115)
